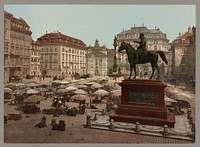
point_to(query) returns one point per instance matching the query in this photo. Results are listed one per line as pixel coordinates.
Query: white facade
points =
(61, 57)
(35, 60)
(97, 60)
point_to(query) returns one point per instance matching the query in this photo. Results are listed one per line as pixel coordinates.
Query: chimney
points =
(189, 28)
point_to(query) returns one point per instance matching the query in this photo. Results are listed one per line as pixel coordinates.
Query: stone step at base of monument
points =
(142, 112)
(169, 121)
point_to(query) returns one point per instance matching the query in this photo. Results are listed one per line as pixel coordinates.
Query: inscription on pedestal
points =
(144, 97)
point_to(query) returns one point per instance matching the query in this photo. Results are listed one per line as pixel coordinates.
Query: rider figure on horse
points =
(142, 46)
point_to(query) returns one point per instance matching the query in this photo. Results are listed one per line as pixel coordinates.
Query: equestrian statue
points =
(142, 56)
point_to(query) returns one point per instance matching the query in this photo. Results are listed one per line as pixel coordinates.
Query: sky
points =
(103, 22)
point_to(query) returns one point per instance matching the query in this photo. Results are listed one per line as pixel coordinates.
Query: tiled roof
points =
(59, 37)
(185, 36)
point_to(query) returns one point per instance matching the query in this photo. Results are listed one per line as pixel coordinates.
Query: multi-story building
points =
(17, 39)
(155, 40)
(35, 60)
(183, 56)
(61, 54)
(7, 24)
(97, 60)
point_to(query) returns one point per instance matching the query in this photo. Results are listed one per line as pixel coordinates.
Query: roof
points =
(142, 29)
(185, 36)
(20, 21)
(61, 38)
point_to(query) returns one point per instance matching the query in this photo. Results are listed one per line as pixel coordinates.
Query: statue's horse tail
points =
(162, 55)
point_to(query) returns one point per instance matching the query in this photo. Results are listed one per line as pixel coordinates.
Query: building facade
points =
(155, 40)
(183, 56)
(35, 60)
(17, 43)
(7, 30)
(61, 54)
(97, 60)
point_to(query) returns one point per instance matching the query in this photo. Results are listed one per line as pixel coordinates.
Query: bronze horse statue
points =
(151, 57)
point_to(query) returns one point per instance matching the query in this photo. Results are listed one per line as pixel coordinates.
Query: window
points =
(63, 57)
(183, 60)
(183, 69)
(155, 47)
(51, 58)
(50, 65)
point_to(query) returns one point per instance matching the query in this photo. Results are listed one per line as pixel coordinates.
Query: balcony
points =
(15, 66)
(14, 54)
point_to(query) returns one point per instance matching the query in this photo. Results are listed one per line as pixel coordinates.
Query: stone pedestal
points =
(143, 101)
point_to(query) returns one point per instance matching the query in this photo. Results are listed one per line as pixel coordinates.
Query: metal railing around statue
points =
(109, 124)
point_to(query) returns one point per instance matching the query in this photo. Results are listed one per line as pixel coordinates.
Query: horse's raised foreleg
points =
(131, 70)
(134, 67)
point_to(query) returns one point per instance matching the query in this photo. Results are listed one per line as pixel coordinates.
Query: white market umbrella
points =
(42, 89)
(32, 91)
(167, 99)
(182, 97)
(62, 90)
(56, 81)
(18, 92)
(63, 82)
(91, 83)
(101, 92)
(15, 86)
(34, 98)
(71, 88)
(80, 91)
(97, 85)
(61, 87)
(32, 84)
(74, 81)
(80, 97)
(81, 86)
(7, 90)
